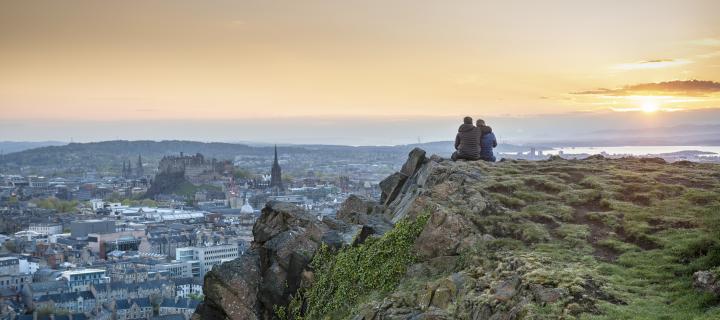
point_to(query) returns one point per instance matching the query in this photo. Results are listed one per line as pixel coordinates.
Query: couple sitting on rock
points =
(474, 142)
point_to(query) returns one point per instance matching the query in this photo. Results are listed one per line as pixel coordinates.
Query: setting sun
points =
(650, 106)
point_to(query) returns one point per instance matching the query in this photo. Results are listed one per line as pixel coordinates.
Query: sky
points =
(309, 70)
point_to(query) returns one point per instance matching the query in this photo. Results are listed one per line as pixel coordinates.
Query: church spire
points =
(276, 174)
(140, 172)
(276, 159)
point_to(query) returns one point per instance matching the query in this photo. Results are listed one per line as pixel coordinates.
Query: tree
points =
(11, 246)
(242, 174)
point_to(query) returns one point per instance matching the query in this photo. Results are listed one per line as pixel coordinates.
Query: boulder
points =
(706, 281)
(355, 209)
(391, 186)
(415, 159)
(506, 289)
(231, 290)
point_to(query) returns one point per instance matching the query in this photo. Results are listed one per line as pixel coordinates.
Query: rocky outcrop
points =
(233, 293)
(509, 240)
(285, 240)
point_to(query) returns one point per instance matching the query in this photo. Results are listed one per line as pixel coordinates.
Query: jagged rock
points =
(506, 289)
(355, 210)
(232, 293)
(390, 187)
(706, 281)
(434, 266)
(443, 235)
(415, 159)
(446, 291)
(286, 238)
(430, 315)
(278, 217)
(400, 189)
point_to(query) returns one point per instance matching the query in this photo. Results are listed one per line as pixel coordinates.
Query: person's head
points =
(467, 120)
(479, 123)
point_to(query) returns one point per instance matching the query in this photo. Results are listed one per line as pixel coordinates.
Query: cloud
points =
(678, 87)
(707, 42)
(709, 55)
(652, 64)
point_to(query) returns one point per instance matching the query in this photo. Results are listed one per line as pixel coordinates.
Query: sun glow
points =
(650, 106)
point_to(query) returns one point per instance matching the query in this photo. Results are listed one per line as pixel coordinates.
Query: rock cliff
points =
(595, 238)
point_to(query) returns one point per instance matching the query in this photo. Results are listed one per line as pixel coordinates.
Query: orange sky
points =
(107, 60)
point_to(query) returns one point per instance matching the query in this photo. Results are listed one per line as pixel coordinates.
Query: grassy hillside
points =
(589, 239)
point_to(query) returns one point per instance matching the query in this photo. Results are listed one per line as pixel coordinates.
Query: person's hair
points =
(479, 122)
(467, 120)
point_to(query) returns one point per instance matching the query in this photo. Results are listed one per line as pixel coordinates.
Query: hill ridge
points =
(591, 239)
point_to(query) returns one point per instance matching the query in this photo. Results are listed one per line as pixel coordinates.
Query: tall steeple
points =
(139, 172)
(124, 171)
(276, 173)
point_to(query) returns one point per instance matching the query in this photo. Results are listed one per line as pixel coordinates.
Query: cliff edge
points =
(591, 239)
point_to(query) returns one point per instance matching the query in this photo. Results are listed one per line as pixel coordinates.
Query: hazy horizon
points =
(364, 130)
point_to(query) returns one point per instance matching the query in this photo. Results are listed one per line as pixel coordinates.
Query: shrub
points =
(342, 278)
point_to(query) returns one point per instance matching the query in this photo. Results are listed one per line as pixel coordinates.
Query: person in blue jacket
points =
(487, 141)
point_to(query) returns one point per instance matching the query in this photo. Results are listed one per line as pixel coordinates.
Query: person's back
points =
(487, 143)
(467, 142)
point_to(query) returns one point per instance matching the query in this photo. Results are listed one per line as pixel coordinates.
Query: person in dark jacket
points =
(467, 141)
(487, 142)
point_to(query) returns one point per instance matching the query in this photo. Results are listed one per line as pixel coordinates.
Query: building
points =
(46, 228)
(133, 309)
(10, 275)
(208, 256)
(38, 289)
(183, 306)
(9, 265)
(276, 174)
(83, 301)
(104, 243)
(185, 287)
(180, 269)
(81, 228)
(80, 280)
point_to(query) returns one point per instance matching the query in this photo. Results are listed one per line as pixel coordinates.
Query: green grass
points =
(343, 278)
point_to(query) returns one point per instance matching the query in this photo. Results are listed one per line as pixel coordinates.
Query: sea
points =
(635, 150)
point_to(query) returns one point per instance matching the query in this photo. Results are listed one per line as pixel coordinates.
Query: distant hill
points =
(107, 156)
(17, 146)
